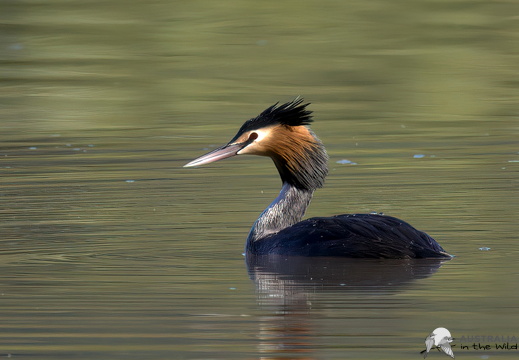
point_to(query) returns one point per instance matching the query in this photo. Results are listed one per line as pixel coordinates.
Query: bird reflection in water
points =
(294, 290)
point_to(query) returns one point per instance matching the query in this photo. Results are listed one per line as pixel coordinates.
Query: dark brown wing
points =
(355, 236)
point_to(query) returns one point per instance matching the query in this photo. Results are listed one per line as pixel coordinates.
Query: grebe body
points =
(281, 132)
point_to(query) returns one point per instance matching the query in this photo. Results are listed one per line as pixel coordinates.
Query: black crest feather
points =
(292, 113)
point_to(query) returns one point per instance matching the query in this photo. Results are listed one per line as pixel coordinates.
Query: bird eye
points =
(253, 136)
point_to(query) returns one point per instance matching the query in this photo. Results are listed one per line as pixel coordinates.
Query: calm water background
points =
(111, 250)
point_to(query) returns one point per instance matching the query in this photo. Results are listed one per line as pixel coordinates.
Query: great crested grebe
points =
(281, 133)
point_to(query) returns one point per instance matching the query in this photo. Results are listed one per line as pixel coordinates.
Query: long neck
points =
(286, 210)
(301, 160)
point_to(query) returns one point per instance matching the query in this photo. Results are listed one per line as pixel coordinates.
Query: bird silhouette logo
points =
(440, 339)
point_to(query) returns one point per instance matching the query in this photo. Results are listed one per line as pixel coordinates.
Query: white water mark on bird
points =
(440, 339)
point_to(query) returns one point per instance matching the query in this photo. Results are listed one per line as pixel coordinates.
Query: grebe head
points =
(281, 133)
